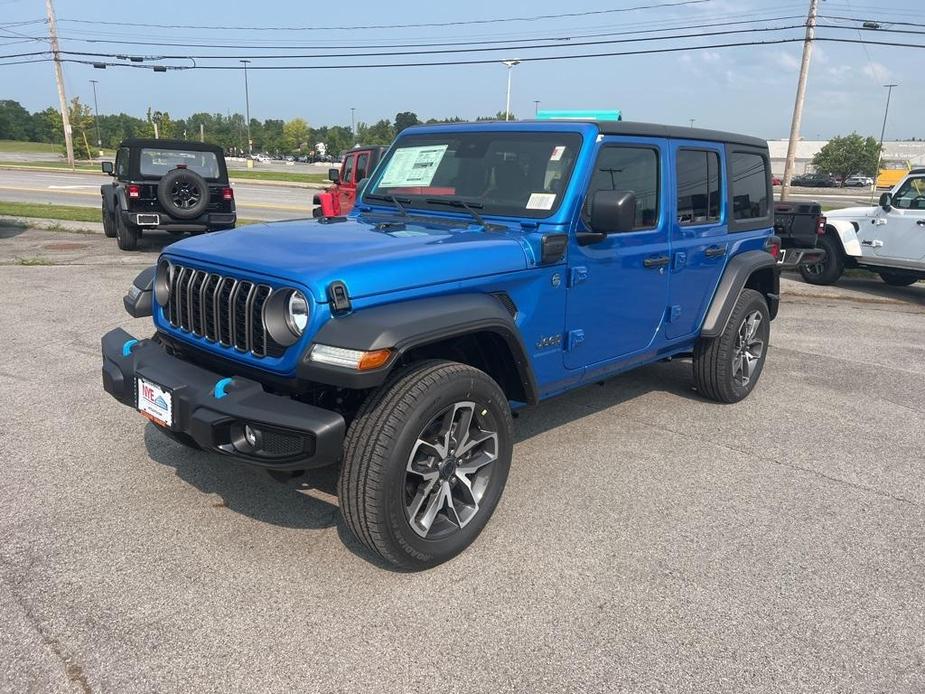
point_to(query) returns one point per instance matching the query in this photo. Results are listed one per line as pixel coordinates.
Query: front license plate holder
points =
(154, 401)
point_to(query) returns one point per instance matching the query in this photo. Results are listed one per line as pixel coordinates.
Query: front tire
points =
(109, 228)
(830, 269)
(727, 367)
(425, 463)
(898, 279)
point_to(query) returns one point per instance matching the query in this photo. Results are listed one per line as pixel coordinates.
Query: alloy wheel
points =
(749, 348)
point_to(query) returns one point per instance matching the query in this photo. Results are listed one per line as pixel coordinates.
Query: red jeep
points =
(338, 199)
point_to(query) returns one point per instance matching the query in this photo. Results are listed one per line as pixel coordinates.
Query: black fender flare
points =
(405, 325)
(138, 301)
(736, 276)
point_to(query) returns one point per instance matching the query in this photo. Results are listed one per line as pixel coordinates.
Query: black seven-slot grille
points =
(222, 309)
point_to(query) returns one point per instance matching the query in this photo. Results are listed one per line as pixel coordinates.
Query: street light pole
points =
(886, 112)
(692, 121)
(507, 102)
(353, 124)
(536, 107)
(247, 110)
(96, 116)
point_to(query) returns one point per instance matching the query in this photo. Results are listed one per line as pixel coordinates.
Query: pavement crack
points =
(73, 669)
(792, 466)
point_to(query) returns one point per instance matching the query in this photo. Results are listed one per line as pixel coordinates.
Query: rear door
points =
(346, 189)
(618, 287)
(698, 232)
(902, 236)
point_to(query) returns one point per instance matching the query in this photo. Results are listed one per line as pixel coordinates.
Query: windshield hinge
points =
(339, 298)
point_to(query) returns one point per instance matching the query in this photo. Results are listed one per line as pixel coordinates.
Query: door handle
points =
(715, 251)
(658, 261)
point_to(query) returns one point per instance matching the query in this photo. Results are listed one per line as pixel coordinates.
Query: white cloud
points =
(877, 72)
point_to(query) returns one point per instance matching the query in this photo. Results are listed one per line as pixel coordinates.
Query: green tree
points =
(82, 126)
(405, 119)
(379, 133)
(296, 134)
(848, 155)
(15, 121)
(46, 126)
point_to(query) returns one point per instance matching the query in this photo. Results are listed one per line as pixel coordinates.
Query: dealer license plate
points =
(155, 402)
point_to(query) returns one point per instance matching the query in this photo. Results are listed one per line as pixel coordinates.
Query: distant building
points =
(912, 151)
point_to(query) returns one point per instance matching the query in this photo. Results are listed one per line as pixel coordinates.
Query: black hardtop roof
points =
(915, 171)
(170, 144)
(631, 129)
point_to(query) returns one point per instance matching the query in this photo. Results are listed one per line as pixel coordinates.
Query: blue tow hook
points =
(127, 347)
(219, 391)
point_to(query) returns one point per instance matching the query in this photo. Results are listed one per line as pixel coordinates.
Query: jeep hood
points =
(371, 258)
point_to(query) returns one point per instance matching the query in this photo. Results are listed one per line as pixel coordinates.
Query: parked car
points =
(358, 163)
(888, 239)
(777, 181)
(814, 181)
(486, 266)
(799, 226)
(173, 185)
(858, 181)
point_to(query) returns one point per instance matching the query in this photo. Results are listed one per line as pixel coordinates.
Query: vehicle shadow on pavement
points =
(247, 490)
(871, 285)
(157, 241)
(9, 230)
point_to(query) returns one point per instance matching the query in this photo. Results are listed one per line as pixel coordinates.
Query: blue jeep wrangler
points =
(485, 267)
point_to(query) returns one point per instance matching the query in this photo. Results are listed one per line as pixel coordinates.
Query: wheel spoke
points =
(478, 461)
(466, 411)
(451, 513)
(424, 490)
(434, 450)
(433, 507)
(473, 440)
(464, 487)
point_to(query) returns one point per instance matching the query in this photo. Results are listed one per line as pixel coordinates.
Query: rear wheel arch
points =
(749, 270)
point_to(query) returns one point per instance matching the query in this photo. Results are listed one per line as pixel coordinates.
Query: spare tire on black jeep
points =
(183, 194)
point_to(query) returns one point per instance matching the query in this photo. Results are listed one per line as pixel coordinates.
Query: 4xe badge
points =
(550, 341)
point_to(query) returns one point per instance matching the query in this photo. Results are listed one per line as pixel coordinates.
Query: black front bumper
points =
(292, 435)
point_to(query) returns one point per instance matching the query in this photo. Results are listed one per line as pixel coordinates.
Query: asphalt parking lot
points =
(648, 540)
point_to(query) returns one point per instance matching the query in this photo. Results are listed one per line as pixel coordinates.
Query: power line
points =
(536, 18)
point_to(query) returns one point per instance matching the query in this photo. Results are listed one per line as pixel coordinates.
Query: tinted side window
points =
(749, 173)
(362, 166)
(630, 169)
(348, 169)
(698, 187)
(121, 165)
(911, 195)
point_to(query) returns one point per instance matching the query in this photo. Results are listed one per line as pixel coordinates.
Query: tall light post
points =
(353, 123)
(886, 112)
(247, 109)
(536, 107)
(96, 116)
(692, 121)
(507, 102)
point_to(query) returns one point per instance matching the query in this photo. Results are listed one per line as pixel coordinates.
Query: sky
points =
(744, 89)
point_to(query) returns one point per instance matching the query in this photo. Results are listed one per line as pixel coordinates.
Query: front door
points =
(346, 190)
(618, 287)
(698, 233)
(900, 235)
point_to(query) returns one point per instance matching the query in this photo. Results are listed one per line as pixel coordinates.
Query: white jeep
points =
(888, 239)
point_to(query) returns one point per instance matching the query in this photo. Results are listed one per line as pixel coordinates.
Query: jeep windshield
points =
(157, 162)
(513, 174)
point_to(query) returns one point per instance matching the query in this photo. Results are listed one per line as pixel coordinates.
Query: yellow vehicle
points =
(892, 172)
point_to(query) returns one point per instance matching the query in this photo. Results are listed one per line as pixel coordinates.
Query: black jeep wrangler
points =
(173, 185)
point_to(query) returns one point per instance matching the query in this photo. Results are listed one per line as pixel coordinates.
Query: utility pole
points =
(801, 97)
(247, 110)
(96, 117)
(59, 77)
(507, 102)
(886, 112)
(536, 107)
(353, 124)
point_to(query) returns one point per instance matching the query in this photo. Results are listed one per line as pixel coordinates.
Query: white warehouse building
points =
(912, 151)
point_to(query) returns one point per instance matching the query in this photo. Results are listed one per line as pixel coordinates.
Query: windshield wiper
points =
(461, 204)
(392, 199)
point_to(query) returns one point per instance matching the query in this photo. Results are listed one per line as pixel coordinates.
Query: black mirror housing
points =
(886, 201)
(613, 211)
(334, 175)
(106, 166)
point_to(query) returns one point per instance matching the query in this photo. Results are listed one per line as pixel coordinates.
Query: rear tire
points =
(425, 463)
(126, 236)
(727, 367)
(109, 227)
(830, 269)
(898, 279)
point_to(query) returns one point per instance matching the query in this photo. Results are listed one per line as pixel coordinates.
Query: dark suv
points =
(172, 185)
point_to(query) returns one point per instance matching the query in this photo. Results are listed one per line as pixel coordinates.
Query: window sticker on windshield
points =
(557, 153)
(413, 166)
(541, 201)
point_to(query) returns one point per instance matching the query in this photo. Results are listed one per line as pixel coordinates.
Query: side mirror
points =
(334, 175)
(106, 166)
(886, 201)
(613, 211)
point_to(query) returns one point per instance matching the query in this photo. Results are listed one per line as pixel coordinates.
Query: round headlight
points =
(297, 313)
(162, 279)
